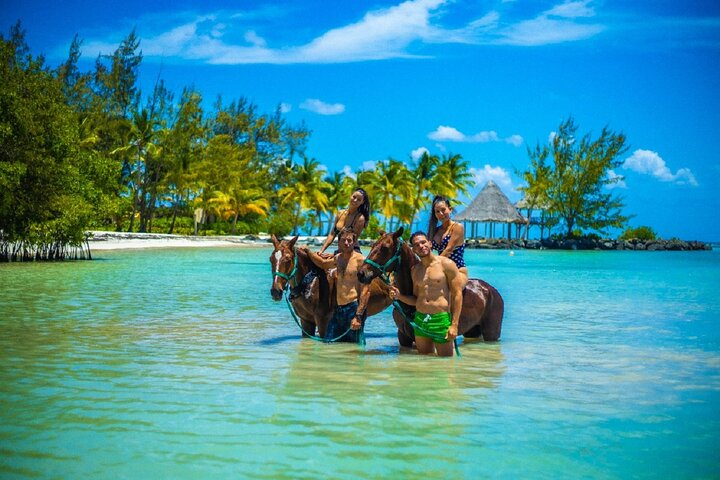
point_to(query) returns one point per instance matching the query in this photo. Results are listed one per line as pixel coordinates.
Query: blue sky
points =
(483, 79)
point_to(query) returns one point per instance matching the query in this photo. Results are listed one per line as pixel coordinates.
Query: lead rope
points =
(385, 277)
(361, 339)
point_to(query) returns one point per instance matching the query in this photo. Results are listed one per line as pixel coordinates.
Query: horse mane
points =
(403, 271)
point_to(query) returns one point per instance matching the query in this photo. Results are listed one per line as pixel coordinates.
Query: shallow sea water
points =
(175, 363)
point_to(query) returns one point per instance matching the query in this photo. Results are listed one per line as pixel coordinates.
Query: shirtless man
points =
(437, 296)
(352, 296)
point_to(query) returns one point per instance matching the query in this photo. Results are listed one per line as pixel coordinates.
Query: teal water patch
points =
(177, 364)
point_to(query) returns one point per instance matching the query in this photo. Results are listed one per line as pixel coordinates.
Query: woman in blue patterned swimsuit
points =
(449, 237)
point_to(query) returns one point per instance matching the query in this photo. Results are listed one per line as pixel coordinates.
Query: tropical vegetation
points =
(83, 150)
(571, 180)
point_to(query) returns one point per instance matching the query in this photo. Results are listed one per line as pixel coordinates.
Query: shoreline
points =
(102, 241)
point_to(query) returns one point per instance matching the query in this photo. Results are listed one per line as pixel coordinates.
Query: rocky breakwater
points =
(588, 244)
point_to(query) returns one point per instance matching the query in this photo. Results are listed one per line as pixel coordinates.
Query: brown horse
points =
(313, 303)
(482, 308)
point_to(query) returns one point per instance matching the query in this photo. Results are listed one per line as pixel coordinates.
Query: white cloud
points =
(516, 140)
(556, 25)
(349, 172)
(620, 183)
(446, 133)
(452, 134)
(418, 152)
(285, 107)
(398, 31)
(497, 174)
(650, 163)
(254, 39)
(571, 10)
(322, 108)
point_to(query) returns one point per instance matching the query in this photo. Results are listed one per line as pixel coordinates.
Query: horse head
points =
(283, 264)
(384, 256)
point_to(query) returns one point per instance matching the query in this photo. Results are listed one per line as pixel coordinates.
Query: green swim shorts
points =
(432, 325)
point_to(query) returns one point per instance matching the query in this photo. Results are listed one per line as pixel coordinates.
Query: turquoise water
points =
(176, 364)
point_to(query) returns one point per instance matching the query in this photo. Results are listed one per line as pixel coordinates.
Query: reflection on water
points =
(176, 363)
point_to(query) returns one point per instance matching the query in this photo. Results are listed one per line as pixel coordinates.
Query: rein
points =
(395, 303)
(289, 278)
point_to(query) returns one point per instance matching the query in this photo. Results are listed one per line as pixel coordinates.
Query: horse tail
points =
(493, 315)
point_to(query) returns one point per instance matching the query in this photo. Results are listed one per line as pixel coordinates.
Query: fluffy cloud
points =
(418, 152)
(497, 174)
(450, 134)
(648, 162)
(285, 107)
(322, 108)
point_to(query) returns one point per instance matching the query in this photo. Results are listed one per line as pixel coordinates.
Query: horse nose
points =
(364, 276)
(276, 294)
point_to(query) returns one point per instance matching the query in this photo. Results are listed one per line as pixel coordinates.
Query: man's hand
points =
(393, 292)
(452, 333)
(355, 324)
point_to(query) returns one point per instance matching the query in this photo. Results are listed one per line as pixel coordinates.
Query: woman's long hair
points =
(433, 223)
(364, 209)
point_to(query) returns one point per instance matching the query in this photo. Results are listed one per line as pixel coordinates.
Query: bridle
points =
(288, 277)
(384, 268)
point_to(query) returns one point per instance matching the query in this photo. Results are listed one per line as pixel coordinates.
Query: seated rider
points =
(351, 295)
(449, 237)
(355, 217)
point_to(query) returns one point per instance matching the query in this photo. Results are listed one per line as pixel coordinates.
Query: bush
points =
(641, 233)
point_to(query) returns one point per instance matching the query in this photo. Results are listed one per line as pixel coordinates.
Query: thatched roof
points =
(490, 205)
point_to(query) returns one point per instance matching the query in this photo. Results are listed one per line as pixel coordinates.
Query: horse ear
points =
(291, 244)
(274, 240)
(382, 232)
(399, 232)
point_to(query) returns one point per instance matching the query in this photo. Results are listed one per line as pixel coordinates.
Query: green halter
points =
(384, 268)
(290, 275)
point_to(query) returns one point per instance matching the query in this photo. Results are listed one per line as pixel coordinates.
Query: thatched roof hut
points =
(491, 206)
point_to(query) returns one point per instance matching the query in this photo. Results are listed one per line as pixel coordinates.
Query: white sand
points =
(120, 240)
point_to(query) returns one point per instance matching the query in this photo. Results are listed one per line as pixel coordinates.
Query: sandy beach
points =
(99, 240)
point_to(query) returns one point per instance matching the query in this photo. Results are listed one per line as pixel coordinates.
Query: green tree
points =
(452, 176)
(184, 145)
(641, 233)
(44, 191)
(306, 190)
(577, 171)
(393, 188)
(423, 175)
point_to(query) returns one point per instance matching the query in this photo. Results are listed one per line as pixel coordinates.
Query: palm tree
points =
(423, 173)
(340, 188)
(452, 175)
(393, 189)
(306, 190)
(142, 136)
(240, 201)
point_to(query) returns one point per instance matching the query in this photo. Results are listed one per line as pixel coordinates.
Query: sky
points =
(485, 79)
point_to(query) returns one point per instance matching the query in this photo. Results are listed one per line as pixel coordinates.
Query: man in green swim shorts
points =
(437, 296)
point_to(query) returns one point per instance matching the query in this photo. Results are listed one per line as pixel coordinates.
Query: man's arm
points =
(320, 261)
(455, 282)
(363, 298)
(331, 236)
(407, 299)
